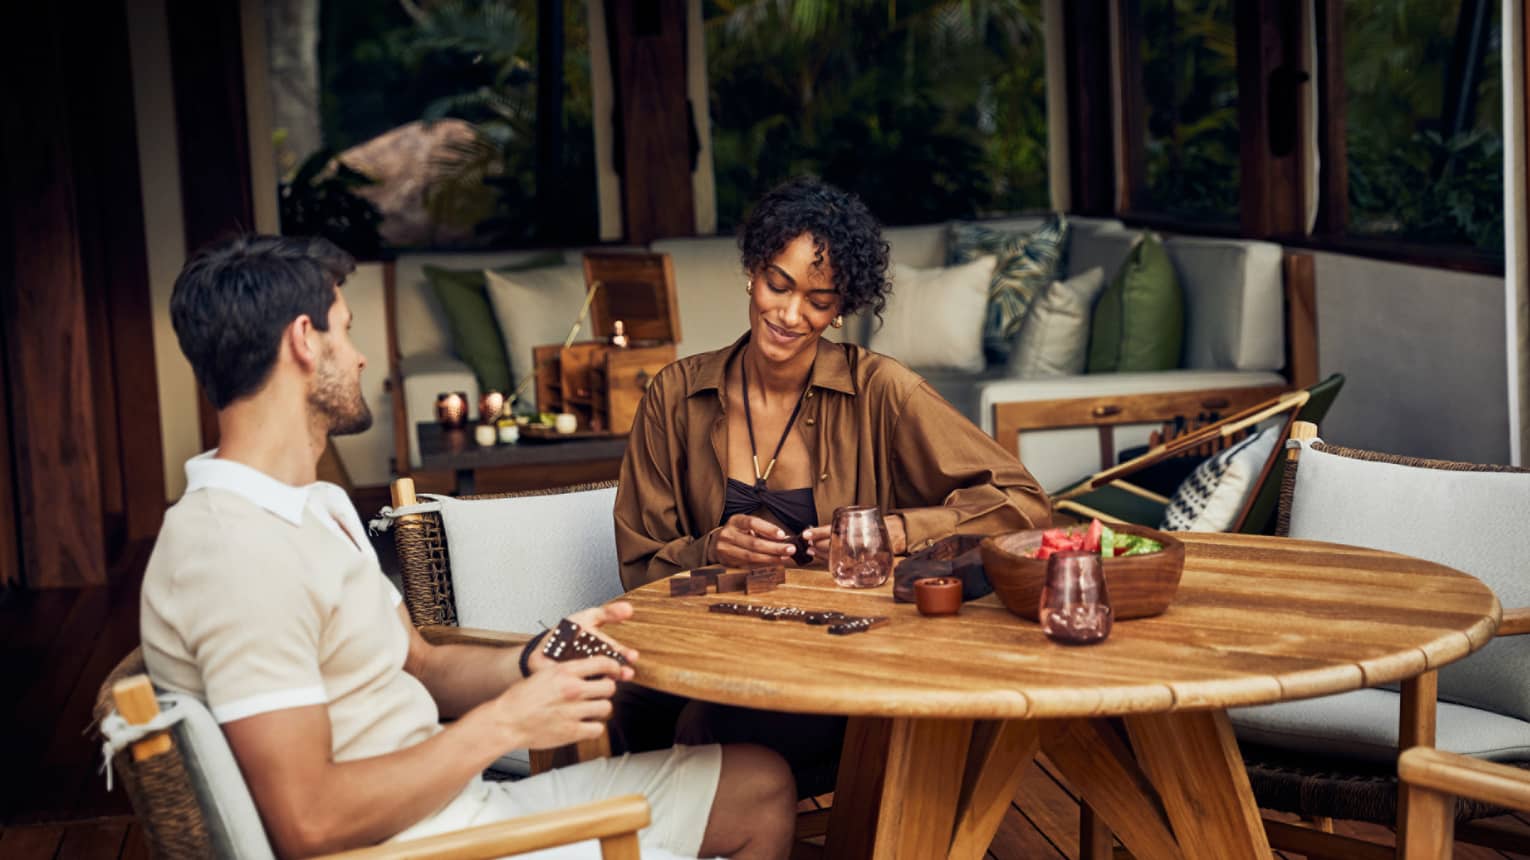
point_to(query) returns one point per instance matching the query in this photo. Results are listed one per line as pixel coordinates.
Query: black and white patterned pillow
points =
(1210, 499)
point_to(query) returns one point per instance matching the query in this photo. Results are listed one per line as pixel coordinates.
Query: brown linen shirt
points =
(876, 433)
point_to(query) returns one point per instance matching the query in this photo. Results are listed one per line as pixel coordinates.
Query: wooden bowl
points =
(1139, 585)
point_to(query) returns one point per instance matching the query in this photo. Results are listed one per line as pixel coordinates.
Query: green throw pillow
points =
(470, 320)
(1139, 321)
(1027, 261)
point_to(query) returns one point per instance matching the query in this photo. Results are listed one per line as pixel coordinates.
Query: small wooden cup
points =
(940, 595)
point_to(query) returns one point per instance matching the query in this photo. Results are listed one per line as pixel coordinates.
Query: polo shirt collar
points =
(206, 471)
(831, 368)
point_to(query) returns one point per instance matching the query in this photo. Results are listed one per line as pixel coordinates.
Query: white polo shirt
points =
(261, 596)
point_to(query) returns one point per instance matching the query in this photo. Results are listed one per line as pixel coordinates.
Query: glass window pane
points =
(431, 109)
(1424, 120)
(928, 109)
(1189, 88)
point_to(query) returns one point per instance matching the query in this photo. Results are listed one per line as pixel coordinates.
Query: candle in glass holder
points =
(1075, 607)
(451, 408)
(490, 405)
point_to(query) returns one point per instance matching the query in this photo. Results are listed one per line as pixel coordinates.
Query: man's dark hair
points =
(234, 299)
(843, 230)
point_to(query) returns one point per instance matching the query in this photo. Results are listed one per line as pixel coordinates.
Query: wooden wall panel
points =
(116, 272)
(52, 393)
(648, 65)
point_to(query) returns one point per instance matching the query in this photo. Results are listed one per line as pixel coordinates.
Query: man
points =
(264, 599)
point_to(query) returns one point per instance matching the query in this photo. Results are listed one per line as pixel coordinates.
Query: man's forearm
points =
(462, 677)
(311, 805)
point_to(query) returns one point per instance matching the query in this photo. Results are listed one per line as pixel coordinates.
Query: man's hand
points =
(593, 619)
(559, 704)
(746, 541)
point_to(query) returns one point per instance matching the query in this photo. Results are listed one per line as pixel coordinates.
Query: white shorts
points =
(679, 783)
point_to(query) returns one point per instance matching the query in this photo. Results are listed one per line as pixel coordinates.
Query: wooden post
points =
(135, 701)
(653, 124)
(1301, 320)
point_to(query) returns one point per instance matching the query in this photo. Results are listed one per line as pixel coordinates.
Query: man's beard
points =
(340, 402)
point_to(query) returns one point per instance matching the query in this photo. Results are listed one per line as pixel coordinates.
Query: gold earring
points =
(837, 322)
(749, 287)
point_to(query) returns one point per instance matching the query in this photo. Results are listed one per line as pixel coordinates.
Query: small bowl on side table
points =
(1140, 586)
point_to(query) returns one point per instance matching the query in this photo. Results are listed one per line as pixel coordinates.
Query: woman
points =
(739, 457)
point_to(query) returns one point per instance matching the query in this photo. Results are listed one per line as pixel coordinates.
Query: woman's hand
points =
(818, 537)
(593, 619)
(746, 541)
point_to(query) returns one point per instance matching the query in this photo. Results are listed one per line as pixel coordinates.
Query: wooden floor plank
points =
(135, 846)
(37, 842)
(1020, 839)
(1052, 810)
(93, 840)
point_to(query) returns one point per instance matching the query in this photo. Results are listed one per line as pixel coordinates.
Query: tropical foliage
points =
(929, 109)
(1408, 176)
(473, 60)
(1190, 90)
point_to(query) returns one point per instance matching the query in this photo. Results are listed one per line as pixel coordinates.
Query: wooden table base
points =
(921, 788)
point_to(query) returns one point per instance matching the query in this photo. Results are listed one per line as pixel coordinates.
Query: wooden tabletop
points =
(1256, 620)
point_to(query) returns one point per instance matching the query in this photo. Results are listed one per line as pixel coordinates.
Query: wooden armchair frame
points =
(1426, 816)
(158, 781)
(425, 567)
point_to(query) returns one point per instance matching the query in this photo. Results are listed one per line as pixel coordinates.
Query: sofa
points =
(1234, 327)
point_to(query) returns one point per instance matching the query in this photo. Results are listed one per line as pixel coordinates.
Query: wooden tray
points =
(539, 433)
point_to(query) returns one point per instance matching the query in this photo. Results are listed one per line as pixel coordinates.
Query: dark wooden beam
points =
(1132, 141)
(647, 44)
(42, 305)
(116, 270)
(212, 132)
(1091, 128)
(1270, 122)
(1332, 96)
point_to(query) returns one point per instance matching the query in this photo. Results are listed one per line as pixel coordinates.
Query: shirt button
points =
(809, 422)
(824, 476)
(810, 392)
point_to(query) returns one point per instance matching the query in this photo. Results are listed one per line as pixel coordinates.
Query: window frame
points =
(1272, 201)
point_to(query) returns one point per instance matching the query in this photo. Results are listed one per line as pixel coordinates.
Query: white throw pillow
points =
(534, 308)
(934, 317)
(1054, 337)
(1209, 500)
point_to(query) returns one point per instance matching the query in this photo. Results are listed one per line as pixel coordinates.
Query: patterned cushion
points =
(1210, 499)
(1027, 262)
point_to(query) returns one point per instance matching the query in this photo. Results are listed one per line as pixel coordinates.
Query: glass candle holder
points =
(860, 552)
(451, 409)
(1075, 607)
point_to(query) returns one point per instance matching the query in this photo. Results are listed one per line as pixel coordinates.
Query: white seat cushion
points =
(523, 562)
(1363, 724)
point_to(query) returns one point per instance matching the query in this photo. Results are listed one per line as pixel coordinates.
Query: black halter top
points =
(794, 509)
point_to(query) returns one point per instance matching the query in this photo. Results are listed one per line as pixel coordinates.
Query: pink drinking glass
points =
(1075, 607)
(860, 552)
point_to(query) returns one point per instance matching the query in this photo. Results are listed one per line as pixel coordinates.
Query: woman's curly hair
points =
(845, 235)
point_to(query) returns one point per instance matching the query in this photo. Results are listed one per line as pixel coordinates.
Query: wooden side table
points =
(524, 465)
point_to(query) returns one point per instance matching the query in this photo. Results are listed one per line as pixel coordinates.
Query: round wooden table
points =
(946, 712)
